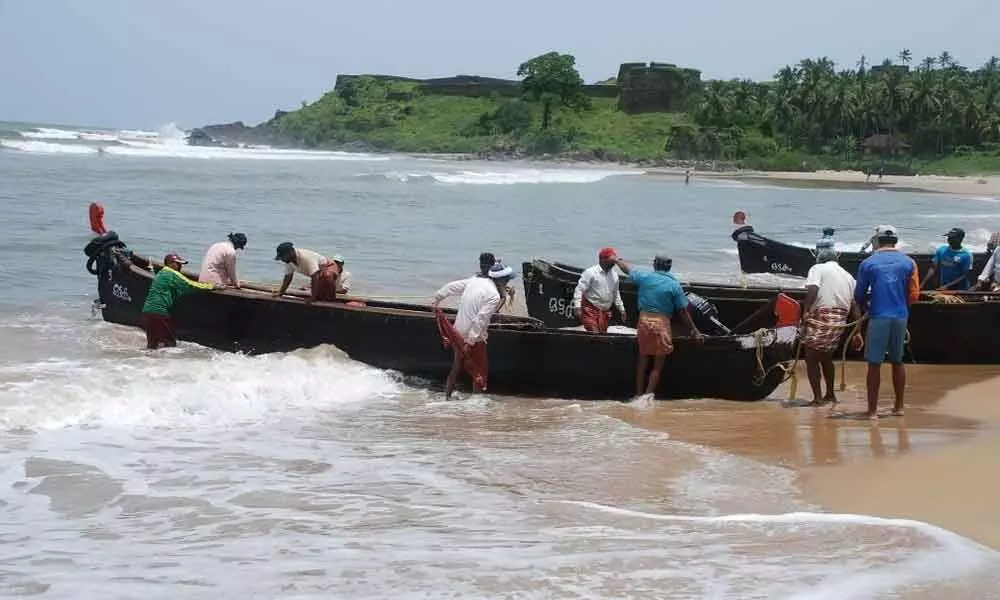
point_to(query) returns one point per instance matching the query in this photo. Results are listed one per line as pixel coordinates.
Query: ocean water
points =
(188, 473)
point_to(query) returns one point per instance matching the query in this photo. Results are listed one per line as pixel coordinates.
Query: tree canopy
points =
(553, 80)
(937, 108)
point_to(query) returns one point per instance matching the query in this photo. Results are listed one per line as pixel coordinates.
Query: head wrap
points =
(500, 271)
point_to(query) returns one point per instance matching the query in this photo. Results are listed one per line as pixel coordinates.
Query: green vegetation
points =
(938, 117)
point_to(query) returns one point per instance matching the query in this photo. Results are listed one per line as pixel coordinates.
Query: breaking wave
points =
(511, 176)
(168, 142)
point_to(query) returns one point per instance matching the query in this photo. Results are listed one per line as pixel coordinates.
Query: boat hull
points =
(940, 333)
(524, 358)
(759, 254)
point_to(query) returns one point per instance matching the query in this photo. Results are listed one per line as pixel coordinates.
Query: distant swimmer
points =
(219, 264)
(479, 299)
(596, 292)
(168, 286)
(322, 272)
(687, 176)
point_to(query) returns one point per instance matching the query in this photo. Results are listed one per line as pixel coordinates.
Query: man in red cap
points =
(168, 285)
(596, 292)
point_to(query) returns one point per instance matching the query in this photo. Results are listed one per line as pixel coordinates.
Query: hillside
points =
(937, 118)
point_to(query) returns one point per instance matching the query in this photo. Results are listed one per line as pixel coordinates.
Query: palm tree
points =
(905, 56)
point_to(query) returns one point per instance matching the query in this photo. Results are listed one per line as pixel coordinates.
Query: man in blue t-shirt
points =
(894, 283)
(952, 263)
(660, 298)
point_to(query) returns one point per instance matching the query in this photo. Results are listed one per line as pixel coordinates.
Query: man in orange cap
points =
(597, 291)
(168, 285)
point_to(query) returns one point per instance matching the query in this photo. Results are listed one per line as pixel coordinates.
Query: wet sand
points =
(984, 185)
(936, 464)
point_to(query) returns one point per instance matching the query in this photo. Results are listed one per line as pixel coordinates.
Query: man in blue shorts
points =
(952, 263)
(893, 280)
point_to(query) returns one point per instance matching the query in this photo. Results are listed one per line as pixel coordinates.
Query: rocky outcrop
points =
(238, 133)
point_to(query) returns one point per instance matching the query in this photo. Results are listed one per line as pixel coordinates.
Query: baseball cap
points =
(338, 259)
(174, 257)
(606, 253)
(283, 249)
(885, 232)
(955, 232)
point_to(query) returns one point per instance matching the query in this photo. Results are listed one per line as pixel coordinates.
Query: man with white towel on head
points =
(479, 299)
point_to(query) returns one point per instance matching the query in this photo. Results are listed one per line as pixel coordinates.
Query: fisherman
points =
(951, 262)
(596, 291)
(219, 264)
(321, 271)
(344, 282)
(660, 297)
(168, 285)
(894, 282)
(828, 303)
(480, 298)
(827, 241)
(486, 262)
(989, 279)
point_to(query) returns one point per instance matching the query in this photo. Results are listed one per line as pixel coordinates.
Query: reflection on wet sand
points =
(773, 431)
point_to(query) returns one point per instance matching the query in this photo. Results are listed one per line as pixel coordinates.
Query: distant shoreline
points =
(973, 186)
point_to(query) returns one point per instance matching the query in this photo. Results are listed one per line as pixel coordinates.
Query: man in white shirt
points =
(828, 304)
(989, 279)
(344, 282)
(479, 299)
(219, 264)
(321, 271)
(596, 292)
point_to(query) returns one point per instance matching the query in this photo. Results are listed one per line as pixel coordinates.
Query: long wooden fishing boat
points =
(526, 358)
(952, 328)
(760, 254)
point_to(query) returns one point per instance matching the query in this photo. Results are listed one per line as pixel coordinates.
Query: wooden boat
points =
(952, 328)
(759, 254)
(525, 357)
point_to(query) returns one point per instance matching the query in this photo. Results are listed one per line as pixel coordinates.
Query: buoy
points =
(97, 219)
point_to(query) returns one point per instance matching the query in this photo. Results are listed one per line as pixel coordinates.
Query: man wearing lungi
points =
(322, 272)
(596, 292)
(828, 304)
(660, 298)
(479, 299)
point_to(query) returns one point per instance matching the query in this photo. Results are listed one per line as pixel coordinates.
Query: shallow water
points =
(188, 473)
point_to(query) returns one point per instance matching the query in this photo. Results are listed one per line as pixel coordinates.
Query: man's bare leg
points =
(812, 372)
(874, 382)
(829, 375)
(640, 374)
(654, 376)
(899, 387)
(456, 366)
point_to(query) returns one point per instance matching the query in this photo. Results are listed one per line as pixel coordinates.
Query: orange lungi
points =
(474, 361)
(654, 335)
(593, 318)
(326, 281)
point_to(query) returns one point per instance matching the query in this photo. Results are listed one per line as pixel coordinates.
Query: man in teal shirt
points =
(952, 263)
(660, 298)
(168, 285)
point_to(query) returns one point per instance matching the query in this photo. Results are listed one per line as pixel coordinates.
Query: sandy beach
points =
(986, 185)
(936, 464)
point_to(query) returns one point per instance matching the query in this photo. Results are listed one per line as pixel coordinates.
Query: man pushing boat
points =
(168, 285)
(322, 272)
(828, 304)
(479, 299)
(660, 298)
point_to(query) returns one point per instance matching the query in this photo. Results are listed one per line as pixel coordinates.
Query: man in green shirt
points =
(168, 285)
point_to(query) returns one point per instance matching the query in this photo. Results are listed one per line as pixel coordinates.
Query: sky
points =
(146, 63)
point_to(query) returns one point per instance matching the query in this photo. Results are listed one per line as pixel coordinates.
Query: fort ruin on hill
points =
(639, 87)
